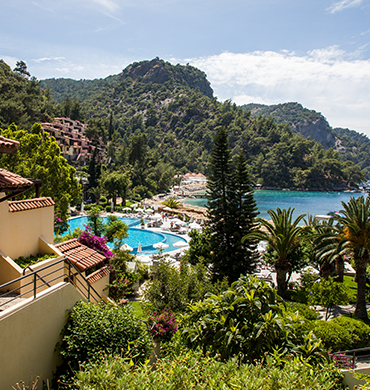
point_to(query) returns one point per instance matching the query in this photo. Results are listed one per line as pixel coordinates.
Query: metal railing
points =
(35, 281)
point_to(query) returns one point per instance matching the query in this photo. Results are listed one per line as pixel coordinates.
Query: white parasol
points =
(126, 247)
(160, 245)
(180, 244)
(194, 225)
(177, 221)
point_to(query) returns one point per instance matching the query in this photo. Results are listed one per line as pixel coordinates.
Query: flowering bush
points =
(95, 242)
(164, 325)
(342, 361)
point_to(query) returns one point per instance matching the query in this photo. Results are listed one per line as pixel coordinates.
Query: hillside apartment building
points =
(71, 137)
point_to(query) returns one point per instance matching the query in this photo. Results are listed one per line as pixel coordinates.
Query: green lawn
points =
(352, 285)
(136, 305)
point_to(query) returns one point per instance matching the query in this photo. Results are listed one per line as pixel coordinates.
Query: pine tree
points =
(93, 170)
(231, 211)
(242, 214)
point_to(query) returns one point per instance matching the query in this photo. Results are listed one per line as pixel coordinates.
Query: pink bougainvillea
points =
(94, 242)
(164, 325)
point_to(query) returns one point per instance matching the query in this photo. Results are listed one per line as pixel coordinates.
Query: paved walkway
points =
(337, 310)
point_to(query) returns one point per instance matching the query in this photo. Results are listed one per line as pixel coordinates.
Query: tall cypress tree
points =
(231, 210)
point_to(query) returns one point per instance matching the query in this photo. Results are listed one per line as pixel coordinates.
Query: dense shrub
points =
(103, 200)
(87, 207)
(342, 333)
(190, 370)
(304, 310)
(95, 329)
(173, 289)
(247, 321)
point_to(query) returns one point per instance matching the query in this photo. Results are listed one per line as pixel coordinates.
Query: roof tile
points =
(98, 274)
(80, 255)
(8, 145)
(12, 180)
(30, 204)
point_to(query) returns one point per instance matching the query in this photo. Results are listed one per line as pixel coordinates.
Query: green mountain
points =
(349, 144)
(159, 119)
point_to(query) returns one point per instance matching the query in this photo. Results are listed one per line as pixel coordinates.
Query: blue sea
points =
(303, 202)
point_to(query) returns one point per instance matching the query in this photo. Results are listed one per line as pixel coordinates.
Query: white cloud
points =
(326, 80)
(109, 5)
(38, 60)
(11, 61)
(343, 4)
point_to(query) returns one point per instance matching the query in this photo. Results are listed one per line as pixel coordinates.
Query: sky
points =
(315, 52)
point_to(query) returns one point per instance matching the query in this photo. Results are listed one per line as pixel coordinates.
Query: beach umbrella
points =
(180, 244)
(160, 245)
(139, 209)
(156, 216)
(167, 208)
(139, 250)
(135, 205)
(178, 222)
(149, 211)
(195, 226)
(127, 209)
(145, 259)
(126, 247)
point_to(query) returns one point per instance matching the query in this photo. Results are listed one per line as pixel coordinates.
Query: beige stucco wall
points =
(98, 286)
(29, 333)
(349, 379)
(9, 271)
(101, 286)
(20, 231)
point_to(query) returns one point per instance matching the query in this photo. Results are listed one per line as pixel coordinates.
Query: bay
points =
(304, 202)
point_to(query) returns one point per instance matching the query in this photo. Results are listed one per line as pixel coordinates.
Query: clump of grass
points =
(23, 262)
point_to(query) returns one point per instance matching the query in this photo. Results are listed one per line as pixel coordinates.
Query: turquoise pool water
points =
(146, 238)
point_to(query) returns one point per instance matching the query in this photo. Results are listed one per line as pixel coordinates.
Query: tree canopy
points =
(39, 157)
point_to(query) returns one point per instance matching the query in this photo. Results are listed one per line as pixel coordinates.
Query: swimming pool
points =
(136, 235)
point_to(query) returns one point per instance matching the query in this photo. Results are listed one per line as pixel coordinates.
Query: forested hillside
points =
(22, 100)
(351, 145)
(159, 119)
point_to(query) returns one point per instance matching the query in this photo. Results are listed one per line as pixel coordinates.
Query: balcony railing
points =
(36, 281)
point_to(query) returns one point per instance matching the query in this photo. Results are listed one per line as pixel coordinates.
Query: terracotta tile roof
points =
(8, 145)
(11, 180)
(97, 275)
(80, 255)
(30, 204)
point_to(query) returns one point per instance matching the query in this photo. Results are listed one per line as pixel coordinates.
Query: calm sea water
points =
(303, 202)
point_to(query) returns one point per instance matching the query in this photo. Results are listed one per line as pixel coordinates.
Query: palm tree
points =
(283, 235)
(330, 249)
(172, 203)
(96, 192)
(355, 219)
